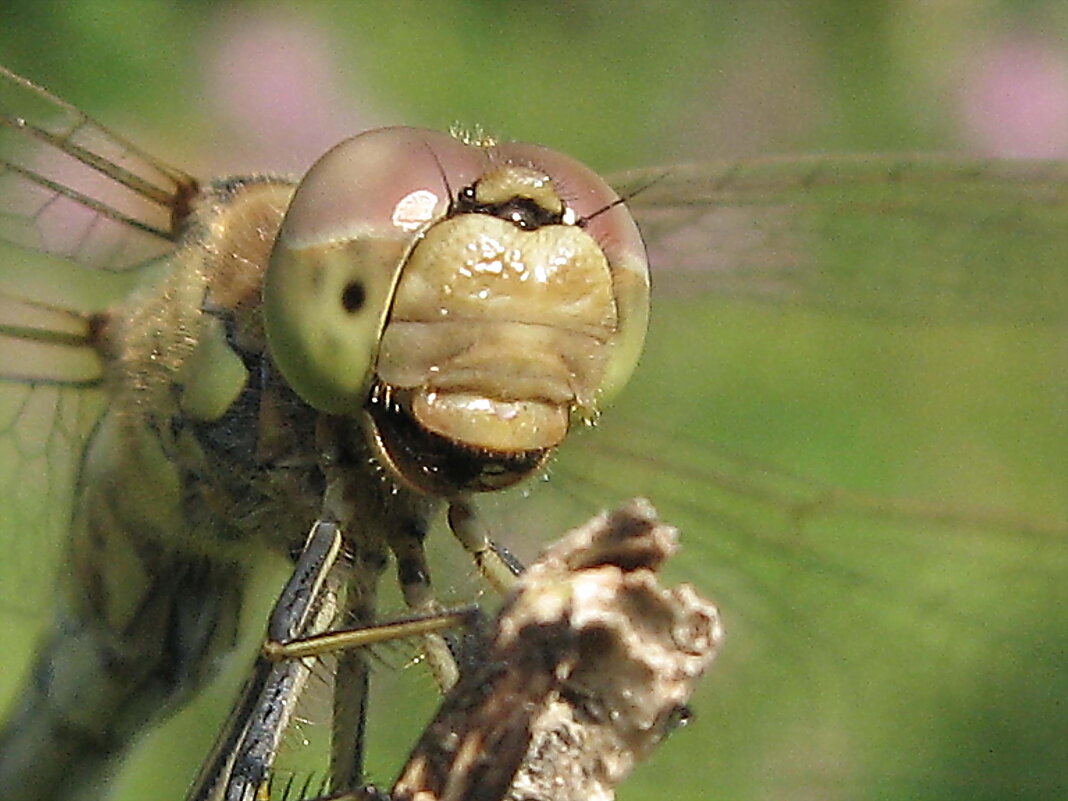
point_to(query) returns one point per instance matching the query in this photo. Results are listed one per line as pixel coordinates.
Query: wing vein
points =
(88, 202)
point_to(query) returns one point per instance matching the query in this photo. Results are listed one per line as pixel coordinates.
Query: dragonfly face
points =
(862, 625)
(469, 330)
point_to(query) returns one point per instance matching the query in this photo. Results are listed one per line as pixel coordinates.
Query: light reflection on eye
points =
(414, 209)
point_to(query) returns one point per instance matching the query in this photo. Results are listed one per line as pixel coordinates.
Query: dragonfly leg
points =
(352, 677)
(494, 562)
(245, 750)
(413, 573)
(346, 759)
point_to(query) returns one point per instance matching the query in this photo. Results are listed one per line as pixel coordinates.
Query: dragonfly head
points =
(466, 302)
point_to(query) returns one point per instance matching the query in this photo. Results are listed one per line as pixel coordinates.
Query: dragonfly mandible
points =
(880, 238)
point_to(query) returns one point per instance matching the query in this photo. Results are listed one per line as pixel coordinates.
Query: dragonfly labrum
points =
(226, 362)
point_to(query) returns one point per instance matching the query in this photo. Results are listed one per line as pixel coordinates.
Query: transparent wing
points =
(80, 209)
(882, 236)
(854, 405)
(71, 188)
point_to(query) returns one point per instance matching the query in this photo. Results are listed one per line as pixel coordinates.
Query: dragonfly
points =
(854, 614)
(387, 423)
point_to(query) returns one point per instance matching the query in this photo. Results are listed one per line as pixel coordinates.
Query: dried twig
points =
(588, 666)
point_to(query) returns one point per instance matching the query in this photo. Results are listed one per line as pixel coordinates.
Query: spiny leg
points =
(247, 748)
(352, 676)
(244, 753)
(413, 575)
(341, 642)
(494, 562)
(242, 756)
(498, 567)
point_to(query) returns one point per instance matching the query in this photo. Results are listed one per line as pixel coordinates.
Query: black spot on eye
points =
(353, 298)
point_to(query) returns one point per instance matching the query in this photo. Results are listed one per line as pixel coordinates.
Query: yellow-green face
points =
(450, 285)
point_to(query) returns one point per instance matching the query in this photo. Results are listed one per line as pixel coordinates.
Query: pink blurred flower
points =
(1014, 100)
(280, 90)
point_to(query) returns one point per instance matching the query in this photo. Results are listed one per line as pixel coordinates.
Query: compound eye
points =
(335, 264)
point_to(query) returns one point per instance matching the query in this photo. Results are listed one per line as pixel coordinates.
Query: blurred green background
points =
(874, 650)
